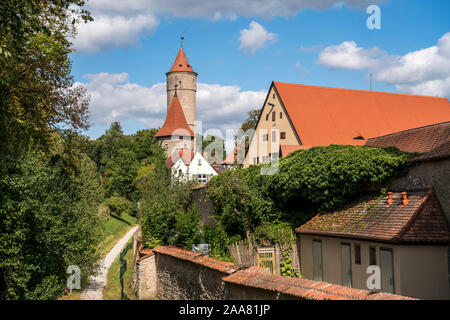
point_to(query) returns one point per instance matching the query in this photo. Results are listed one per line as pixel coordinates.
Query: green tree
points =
(121, 174)
(48, 221)
(37, 92)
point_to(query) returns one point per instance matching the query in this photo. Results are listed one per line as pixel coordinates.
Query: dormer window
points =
(359, 138)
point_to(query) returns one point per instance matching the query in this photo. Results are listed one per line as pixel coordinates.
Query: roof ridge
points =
(360, 90)
(407, 130)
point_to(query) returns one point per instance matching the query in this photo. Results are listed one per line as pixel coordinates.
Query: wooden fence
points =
(244, 254)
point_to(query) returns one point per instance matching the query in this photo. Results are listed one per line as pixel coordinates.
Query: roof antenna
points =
(371, 81)
(175, 95)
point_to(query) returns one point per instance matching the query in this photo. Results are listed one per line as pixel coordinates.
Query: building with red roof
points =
(405, 234)
(303, 116)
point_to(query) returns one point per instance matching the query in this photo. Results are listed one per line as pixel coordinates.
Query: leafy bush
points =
(187, 228)
(219, 241)
(307, 182)
(118, 205)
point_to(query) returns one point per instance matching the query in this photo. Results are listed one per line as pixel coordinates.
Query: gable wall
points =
(265, 126)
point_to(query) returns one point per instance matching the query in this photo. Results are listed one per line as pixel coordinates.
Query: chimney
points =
(390, 200)
(404, 198)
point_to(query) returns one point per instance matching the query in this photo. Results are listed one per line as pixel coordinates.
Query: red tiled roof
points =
(231, 157)
(323, 116)
(304, 288)
(197, 258)
(181, 63)
(432, 140)
(175, 123)
(419, 221)
(186, 156)
(288, 149)
(203, 186)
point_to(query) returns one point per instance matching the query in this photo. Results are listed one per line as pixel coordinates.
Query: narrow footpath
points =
(94, 290)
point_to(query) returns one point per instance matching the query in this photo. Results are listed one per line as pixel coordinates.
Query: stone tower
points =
(183, 76)
(178, 130)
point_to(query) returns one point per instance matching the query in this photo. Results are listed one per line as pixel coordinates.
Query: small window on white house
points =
(201, 178)
(199, 162)
(265, 137)
(180, 172)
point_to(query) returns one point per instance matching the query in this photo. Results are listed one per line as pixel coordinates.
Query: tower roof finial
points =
(182, 38)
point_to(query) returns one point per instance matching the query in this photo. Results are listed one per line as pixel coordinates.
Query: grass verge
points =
(112, 290)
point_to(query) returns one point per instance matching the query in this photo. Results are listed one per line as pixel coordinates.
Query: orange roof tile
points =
(323, 116)
(419, 221)
(288, 149)
(432, 140)
(231, 157)
(186, 156)
(197, 258)
(304, 288)
(175, 123)
(181, 63)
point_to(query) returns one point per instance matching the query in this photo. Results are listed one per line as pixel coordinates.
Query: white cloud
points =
(348, 55)
(425, 71)
(114, 98)
(254, 38)
(219, 9)
(106, 32)
(123, 23)
(301, 69)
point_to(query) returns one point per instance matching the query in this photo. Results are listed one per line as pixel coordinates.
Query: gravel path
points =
(94, 290)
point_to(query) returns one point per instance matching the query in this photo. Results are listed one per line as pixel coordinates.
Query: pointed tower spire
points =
(181, 62)
(175, 123)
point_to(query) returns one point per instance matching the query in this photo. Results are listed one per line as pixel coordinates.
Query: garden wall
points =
(174, 273)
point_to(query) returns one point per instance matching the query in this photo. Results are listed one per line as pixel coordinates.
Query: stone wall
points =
(428, 174)
(185, 275)
(174, 273)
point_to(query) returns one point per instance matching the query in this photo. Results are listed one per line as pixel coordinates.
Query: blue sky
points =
(239, 48)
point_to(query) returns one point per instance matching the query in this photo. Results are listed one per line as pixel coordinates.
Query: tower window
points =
(180, 65)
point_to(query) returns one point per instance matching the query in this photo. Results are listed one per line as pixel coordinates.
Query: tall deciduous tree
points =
(37, 92)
